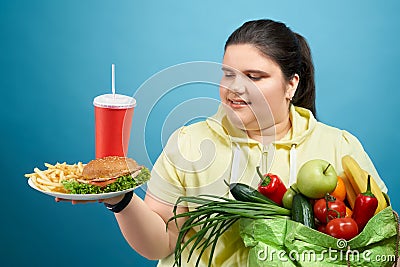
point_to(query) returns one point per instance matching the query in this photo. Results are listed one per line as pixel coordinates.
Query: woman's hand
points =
(111, 201)
(57, 199)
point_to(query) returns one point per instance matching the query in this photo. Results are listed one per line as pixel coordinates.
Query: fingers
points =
(74, 202)
(83, 201)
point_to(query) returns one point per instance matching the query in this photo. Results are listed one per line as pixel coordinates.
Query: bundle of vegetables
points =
(320, 212)
(214, 215)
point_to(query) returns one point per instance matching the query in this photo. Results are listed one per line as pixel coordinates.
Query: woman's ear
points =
(292, 86)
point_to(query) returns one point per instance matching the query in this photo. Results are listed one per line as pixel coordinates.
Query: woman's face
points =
(254, 92)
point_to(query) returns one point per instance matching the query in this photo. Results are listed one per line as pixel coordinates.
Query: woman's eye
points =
(254, 78)
(229, 75)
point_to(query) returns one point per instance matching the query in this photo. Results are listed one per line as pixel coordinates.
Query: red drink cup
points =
(113, 119)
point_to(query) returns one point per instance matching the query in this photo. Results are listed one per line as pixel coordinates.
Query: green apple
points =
(316, 178)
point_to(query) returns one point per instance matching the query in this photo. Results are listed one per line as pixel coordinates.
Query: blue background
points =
(55, 56)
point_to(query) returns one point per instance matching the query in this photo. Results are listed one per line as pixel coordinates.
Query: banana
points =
(350, 193)
(358, 179)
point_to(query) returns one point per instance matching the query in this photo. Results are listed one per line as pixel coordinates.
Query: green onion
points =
(214, 215)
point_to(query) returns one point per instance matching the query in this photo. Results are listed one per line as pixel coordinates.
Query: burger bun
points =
(109, 167)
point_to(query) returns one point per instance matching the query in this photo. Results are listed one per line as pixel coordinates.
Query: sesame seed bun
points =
(109, 167)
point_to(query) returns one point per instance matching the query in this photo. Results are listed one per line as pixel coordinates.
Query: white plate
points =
(81, 196)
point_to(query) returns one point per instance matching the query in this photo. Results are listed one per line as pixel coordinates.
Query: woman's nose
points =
(237, 86)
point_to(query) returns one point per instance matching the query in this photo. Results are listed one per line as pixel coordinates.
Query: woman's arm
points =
(143, 224)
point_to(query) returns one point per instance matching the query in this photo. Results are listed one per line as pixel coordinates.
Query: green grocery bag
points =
(283, 242)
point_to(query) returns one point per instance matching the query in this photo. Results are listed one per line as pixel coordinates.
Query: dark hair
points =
(288, 49)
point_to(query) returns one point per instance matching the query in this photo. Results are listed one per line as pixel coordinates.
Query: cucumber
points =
(302, 211)
(244, 192)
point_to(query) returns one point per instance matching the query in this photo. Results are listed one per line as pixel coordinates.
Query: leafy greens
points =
(122, 183)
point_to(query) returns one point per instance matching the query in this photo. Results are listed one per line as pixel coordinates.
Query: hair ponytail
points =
(288, 49)
(305, 93)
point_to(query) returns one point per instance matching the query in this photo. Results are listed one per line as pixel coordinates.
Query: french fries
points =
(51, 178)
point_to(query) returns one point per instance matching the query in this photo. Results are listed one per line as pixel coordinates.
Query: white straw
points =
(113, 79)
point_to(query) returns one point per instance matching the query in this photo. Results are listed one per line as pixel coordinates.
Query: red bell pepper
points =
(365, 206)
(271, 186)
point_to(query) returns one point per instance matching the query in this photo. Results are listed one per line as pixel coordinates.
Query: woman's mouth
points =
(238, 103)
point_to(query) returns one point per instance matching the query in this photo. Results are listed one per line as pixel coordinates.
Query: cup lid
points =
(116, 101)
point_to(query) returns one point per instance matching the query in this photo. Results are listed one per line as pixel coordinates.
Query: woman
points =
(267, 117)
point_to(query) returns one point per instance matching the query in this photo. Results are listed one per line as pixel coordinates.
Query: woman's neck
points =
(271, 134)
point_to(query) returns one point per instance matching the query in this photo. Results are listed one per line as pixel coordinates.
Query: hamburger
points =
(108, 174)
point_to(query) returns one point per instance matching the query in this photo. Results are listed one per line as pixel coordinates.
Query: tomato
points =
(340, 190)
(103, 183)
(322, 228)
(334, 205)
(344, 228)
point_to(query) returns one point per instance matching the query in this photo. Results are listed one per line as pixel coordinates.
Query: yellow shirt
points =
(199, 157)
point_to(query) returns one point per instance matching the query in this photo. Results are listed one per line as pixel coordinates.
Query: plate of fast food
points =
(99, 179)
